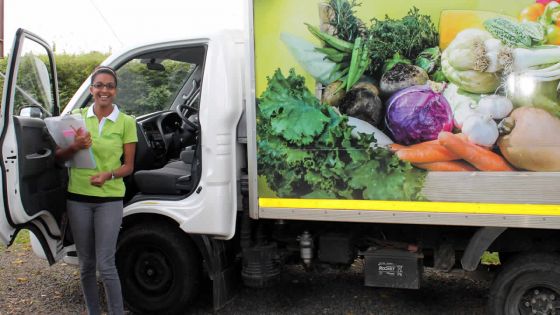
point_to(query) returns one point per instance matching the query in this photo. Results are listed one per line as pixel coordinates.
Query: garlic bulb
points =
(496, 106)
(492, 48)
(461, 113)
(481, 130)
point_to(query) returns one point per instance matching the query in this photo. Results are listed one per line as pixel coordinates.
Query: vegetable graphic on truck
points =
(423, 110)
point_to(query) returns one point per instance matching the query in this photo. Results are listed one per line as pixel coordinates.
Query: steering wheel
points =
(185, 111)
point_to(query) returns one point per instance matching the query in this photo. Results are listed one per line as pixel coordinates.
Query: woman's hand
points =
(100, 178)
(124, 170)
(82, 140)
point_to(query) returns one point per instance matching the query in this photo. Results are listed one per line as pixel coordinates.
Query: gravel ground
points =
(29, 286)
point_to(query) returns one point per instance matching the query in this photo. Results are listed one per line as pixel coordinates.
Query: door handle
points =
(43, 153)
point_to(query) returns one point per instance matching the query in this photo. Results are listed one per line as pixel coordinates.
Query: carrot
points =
(465, 138)
(426, 152)
(481, 158)
(447, 166)
(394, 147)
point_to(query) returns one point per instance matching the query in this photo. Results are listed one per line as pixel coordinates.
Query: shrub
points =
(72, 70)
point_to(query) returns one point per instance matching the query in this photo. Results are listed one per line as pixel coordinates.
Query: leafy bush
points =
(72, 70)
(143, 91)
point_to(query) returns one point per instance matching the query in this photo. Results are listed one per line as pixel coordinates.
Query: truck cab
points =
(187, 99)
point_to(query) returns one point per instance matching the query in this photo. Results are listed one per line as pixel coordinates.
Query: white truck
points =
(232, 180)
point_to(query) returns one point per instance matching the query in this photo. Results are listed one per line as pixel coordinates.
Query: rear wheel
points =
(528, 284)
(159, 268)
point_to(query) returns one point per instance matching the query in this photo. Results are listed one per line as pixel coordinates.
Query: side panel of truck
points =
(307, 169)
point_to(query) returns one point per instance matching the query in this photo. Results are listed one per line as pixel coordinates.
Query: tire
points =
(159, 268)
(528, 283)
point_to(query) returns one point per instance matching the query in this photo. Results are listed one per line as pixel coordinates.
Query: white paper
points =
(62, 130)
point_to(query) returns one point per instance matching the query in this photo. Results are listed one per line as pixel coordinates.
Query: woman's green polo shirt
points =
(107, 149)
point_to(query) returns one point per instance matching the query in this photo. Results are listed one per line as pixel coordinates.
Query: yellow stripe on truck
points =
(412, 206)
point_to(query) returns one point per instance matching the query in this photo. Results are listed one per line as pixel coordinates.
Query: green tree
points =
(72, 70)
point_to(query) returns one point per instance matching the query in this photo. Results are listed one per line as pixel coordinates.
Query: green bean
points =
(340, 74)
(354, 62)
(330, 40)
(327, 50)
(363, 64)
(344, 80)
(333, 54)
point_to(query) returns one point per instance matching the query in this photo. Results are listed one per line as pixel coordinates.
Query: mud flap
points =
(222, 270)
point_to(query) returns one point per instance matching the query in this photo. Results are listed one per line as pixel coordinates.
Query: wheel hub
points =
(540, 301)
(152, 272)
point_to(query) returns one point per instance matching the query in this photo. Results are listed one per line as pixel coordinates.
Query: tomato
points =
(531, 12)
(553, 34)
(545, 2)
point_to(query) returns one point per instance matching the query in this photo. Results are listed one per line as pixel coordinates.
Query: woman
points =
(95, 196)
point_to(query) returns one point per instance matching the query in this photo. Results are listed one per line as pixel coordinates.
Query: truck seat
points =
(174, 178)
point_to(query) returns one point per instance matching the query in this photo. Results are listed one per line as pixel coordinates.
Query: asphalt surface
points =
(28, 285)
(343, 292)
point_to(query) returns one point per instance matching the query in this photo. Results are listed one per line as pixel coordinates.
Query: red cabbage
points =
(418, 113)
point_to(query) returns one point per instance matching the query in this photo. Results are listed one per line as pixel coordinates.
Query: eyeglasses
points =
(109, 86)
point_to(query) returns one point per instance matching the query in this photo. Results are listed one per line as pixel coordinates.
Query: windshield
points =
(159, 80)
(146, 86)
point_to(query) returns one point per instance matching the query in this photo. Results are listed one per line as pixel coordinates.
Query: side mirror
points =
(32, 111)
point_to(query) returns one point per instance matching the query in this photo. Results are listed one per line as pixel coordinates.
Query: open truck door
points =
(32, 185)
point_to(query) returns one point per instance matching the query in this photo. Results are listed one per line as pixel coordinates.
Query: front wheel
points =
(529, 284)
(159, 268)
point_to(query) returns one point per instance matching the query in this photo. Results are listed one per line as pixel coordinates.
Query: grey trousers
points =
(95, 227)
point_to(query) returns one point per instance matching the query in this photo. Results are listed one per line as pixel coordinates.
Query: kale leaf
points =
(305, 149)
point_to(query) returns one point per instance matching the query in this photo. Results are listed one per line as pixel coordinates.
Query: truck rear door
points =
(32, 184)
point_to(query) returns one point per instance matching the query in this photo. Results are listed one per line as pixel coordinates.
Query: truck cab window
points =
(34, 92)
(146, 86)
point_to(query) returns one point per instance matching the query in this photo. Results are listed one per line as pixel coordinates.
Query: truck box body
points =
(520, 198)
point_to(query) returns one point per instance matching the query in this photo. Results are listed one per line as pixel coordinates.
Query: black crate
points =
(336, 248)
(393, 268)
